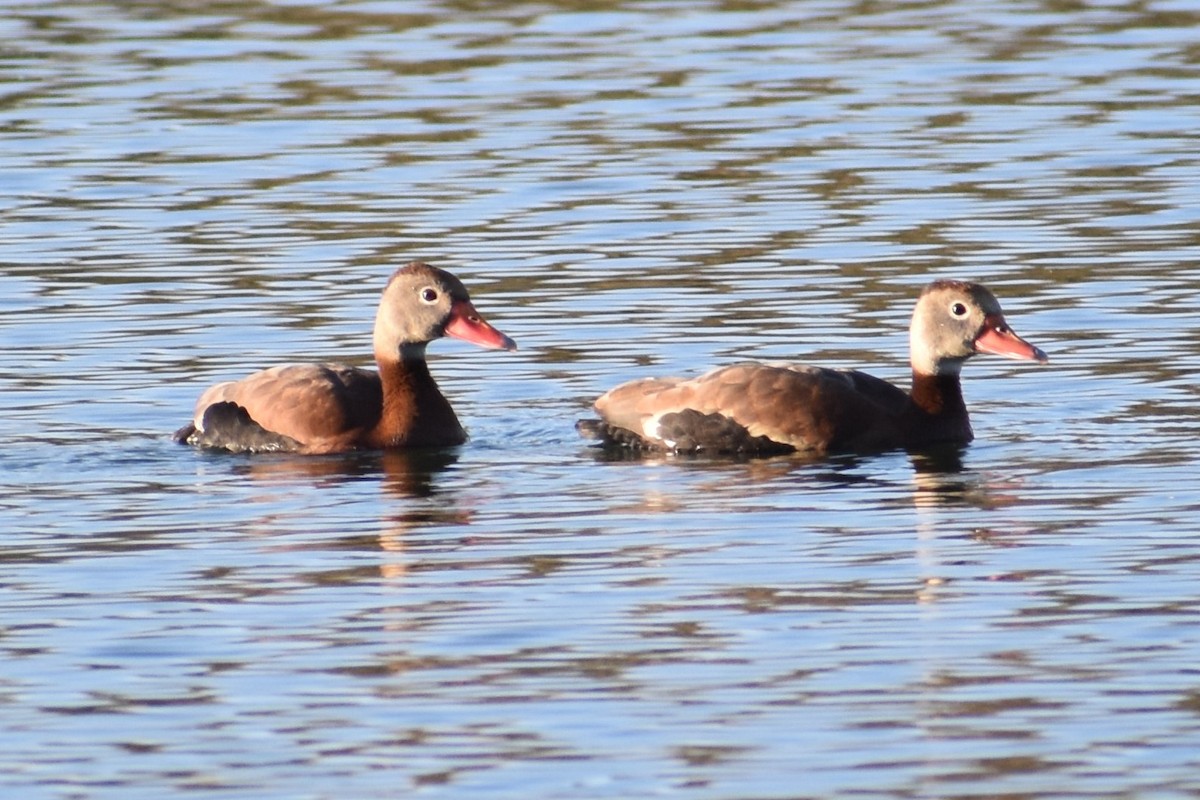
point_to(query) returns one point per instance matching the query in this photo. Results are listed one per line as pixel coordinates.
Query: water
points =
(194, 191)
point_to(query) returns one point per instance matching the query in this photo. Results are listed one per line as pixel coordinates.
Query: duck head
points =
(953, 321)
(422, 303)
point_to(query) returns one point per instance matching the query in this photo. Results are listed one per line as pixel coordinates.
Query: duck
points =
(766, 408)
(337, 408)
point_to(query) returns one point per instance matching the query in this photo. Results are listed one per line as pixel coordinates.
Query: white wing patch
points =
(652, 430)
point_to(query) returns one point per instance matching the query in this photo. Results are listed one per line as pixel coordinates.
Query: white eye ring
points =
(429, 295)
(958, 309)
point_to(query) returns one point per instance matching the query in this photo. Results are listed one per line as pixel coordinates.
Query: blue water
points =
(190, 193)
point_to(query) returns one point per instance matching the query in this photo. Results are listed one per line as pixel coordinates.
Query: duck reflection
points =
(939, 474)
(941, 479)
(403, 476)
(405, 473)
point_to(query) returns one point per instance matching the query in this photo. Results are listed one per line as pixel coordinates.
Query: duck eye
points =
(958, 309)
(429, 294)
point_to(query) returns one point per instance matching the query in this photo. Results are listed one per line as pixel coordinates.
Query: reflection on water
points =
(399, 476)
(401, 473)
(193, 191)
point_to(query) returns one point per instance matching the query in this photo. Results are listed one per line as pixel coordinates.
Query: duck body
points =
(331, 408)
(770, 408)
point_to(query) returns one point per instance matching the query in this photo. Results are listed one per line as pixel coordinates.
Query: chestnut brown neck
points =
(414, 413)
(938, 402)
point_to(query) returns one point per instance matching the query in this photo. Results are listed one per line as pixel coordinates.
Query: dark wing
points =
(685, 431)
(228, 426)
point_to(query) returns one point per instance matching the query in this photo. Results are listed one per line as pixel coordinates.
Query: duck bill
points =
(998, 339)
(465, 323)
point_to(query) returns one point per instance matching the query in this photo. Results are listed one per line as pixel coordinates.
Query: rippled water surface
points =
(189, 191)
